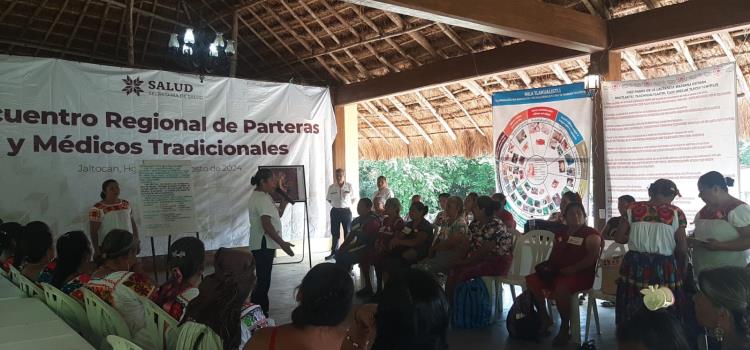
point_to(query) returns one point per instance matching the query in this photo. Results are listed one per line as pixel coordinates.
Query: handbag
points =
(546, 271)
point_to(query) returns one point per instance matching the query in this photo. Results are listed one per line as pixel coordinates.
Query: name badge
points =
(406, 230)
(575, 240)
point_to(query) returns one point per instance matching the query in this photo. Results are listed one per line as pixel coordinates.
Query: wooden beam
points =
(560, 73)
(682, 48)
(320, 22)
(741, 80)
(634, 61)
(525, 78)
(688, 19)
(463, 109)
(143, 12)
(477, 90)
(235, 37)
(374, 111)
(304, 26)
(499, 60)
(148, 33)
(609, 68)
(382, 59)
(502, 82)
(131, 39)
(380, 134)
(529, 20)
(101, 28)
(426, 104)
(401, 108)
(77, 25)
(52, 26)
(455, 38)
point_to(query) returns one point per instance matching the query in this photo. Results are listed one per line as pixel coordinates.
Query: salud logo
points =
(132, 86)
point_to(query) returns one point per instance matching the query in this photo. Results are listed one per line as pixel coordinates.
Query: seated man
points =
(358, 246)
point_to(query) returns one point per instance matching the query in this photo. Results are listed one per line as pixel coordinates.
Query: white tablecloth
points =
(29, 324)
(8, 290)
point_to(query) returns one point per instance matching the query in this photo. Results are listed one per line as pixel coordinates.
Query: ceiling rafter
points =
(502, 82)
(52, 26)
(77, 25)
(634, 61)
(741, 79)
(426, 104)
(682, 48)
(320, 22)
(455, 100)
(101, 28)
(289, 29)
(455, 38)
(302, 23)
(364, 19)
(342, 66)
(525, 78)
(401, 108)
(374, 111)
(257, 35)
(148, 32)
(377, 132)
(477, 90)
(560, 73)
(29, 21)
(8, 10)
(340, 19)
(357, 64)
(382, 59)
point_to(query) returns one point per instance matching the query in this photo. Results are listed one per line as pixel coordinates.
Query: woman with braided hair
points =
(186, 257)
(325, 300)
(722, 306)
(223, 300)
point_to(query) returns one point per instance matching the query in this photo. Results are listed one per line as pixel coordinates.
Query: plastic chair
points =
(67, 308)
(31, 289)
(103, 319)
(14, 273)
(615, 249)
(535, 245)
(195, 336)
(119, 343)
(162, 329)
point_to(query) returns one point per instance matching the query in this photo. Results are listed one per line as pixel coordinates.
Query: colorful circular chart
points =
(539, 156)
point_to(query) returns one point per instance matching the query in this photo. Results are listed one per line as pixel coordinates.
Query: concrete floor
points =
(287, 277)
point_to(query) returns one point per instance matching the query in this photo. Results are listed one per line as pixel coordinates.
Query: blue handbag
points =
(471, 305)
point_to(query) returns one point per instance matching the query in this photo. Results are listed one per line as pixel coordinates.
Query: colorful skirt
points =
(640, 270)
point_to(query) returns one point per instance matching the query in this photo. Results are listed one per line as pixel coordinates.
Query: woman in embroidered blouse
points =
(116, 283)
(392, 224)
(449, 245)
(110, 213)
(490, 247)
(72, 268)
(655, 234)
(569, 269)
(722, 227)
(410, 244)
(186, 259)
(36, 249)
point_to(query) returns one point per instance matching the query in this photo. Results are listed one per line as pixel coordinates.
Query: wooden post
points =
(609, 69)
(346, 144)
(131, 39)
(235, 36)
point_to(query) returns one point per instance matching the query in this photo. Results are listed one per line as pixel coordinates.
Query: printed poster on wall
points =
(542, 139)
(677, 128)
(65, 127)
(167, 199)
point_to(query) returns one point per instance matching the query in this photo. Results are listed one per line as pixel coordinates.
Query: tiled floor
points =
(287, 277)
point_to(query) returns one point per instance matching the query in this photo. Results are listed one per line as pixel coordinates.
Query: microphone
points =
(283, 194)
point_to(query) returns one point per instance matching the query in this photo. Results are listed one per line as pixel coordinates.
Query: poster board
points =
(167, 200)
(677, 127)
(542, 147)
(293, 181)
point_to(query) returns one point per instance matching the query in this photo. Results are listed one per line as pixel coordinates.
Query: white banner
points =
(676, 128)
(542, 139)
(65, 127)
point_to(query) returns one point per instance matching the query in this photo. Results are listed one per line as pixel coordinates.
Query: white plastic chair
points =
(119, 343)
(533, 248)
(67, 308)
(103, 319)
(31, 289)
(195, 336)
(162, 329)
(615, 249)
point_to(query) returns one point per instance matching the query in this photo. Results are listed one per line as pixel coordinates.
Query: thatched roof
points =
(326, 42)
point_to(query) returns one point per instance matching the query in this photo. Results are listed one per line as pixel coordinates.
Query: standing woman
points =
(381, 195)
(110, 213)
(655, 234)
(722, 227)
(265, 232)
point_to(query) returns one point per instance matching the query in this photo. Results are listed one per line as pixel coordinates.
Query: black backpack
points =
(523, 319)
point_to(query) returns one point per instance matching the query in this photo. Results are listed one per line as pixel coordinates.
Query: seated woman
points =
(723, 306)
(115, 276)
(452, 239)
(361, 240)
(186, 259)
(505, 216)
(490, 248)
(570, 269)
(325, 300)
(72, 268)
(10, 232)
(36, 249)
(392, 224)
(412, 314)
(652, 330)
(223, 302)
(409, 245)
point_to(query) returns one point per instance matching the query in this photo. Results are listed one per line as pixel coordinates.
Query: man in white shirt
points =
(341, 197)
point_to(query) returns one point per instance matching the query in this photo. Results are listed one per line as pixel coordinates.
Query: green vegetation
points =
(428, 177)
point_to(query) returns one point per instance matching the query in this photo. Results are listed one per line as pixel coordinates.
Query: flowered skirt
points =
(640, 270)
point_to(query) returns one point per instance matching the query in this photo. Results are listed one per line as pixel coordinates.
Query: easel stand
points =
(309, 242)
(153, 256)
